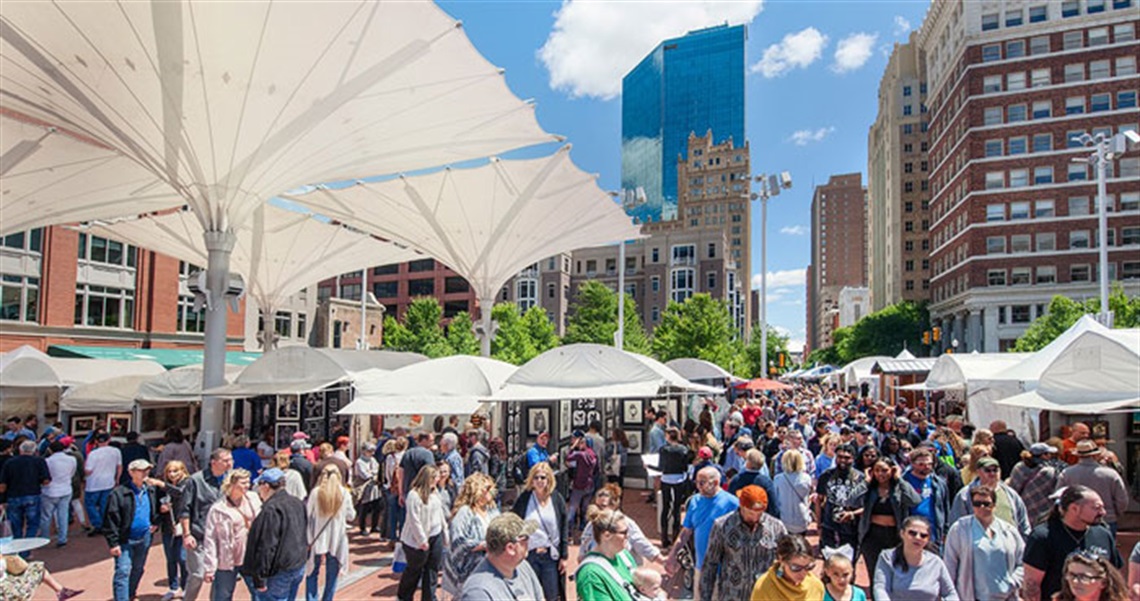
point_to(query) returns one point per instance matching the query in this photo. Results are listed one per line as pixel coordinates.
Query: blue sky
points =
(814, 70)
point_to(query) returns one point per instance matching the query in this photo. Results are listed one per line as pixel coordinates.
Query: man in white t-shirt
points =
(103, 469)
(56, 497)
(266, 450)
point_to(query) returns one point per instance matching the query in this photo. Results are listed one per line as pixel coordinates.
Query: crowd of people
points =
(932, 510)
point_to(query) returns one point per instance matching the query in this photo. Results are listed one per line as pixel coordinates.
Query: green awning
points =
(168, 358)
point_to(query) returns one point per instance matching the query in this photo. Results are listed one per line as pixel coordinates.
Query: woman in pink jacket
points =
(227, 528)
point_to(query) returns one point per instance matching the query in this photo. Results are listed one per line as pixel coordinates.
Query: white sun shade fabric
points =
(111, 394)
(279, 251)
(231, 103)
(61, 372)
(487, 223)
(301, 369)
(21, 351)
(48, 176)
(448, 385)
(699, 369)
(579, 371)
(1033, 367)
(967, 370)
(1097, 372)
(182, 384)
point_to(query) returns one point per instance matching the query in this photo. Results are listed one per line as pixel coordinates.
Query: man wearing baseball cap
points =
(742, 546)
(1107, 483)
(1008, 505)
(130, 520)
(277, 547)
(1035, 478)
(504, 572)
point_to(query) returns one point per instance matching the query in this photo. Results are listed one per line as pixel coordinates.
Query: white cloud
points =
(593, 44)
(902, 26)
(804, 137)
(853, 51)
(794, 230)
(796, 50)
(789, 278)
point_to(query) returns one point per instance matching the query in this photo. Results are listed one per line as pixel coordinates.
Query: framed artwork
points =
(667, 405)
(1099, 429)
(314, 406)
(565, 428)
(315, 428)
(579, 420)
(333, 400)
(537, 420)
(82, 424)
(118, 424)
(631, 412)
(1132, 468)
(634, 437)
(284, 434)
(288, 407)
(1136, 422)
(586, 404)
(593, 416)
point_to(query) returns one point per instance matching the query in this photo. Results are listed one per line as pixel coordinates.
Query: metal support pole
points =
(1102, 223)
(764, 279)
(485, 306)
(619, 336)
(363, 312)
(219, 246)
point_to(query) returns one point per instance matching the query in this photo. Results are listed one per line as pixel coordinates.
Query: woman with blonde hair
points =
(793, 492)
(227, 529)
(424, 536)
(393, 451)
(542, 504)
(330, 509)
(294, 481)
(174, 475)
(977, 453)
(609, 497)
(474, 509)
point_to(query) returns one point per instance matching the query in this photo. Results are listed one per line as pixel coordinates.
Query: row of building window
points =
(1047, 241)
(1043, 175)
(1070, 73)
(1045, 275)
(1070, 40)
(1043, 109)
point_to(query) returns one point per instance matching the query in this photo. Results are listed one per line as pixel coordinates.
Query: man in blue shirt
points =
(935, 505)
(657, 432)
(16, 429)
(712, 503)
(131, 517)
(537, 452)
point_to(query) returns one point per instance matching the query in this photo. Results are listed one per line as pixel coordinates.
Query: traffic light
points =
(926, 337)
(937, 333)
(782, 358)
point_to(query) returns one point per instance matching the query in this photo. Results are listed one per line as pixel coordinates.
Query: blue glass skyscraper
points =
(690, 84)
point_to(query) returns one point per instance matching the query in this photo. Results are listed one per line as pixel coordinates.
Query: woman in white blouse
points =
(424, 536)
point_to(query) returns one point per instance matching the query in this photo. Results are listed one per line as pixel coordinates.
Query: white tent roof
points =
(448, 385)
(301, 369)
(959, 370)
(182, 384)
(112, 394)
(279, 251)
(59, 372)
(487, 223)
(1033, 367)
(860, 369)
(51, 176)
(593, 371)
(230, 103)
(699, 369)
(22, 351)
(905, 354)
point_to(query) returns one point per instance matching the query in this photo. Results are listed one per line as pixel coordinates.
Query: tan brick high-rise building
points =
(898, 188)
(838, 251)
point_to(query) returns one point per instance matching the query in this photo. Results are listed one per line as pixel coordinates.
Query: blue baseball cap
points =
(272, 475)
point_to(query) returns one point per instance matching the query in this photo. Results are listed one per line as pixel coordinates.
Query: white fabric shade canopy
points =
(123, 393)
(60, 372)
(181, 384)
(699, 369)
(578, 371)
(279, 251)
(112, 394)
(448, 385)
(18, 352)
(1097, 372)
(301, 369)
(1033, 367)
(487, 223)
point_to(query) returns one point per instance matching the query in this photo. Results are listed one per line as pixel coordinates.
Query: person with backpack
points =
(585, 464)
(478, 457)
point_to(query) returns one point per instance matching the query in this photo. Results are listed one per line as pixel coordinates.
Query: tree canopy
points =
(777, 343)
(1064, 312)
(593, 319)
(521, 338)
(421, 332)
(884, 332)
(702, 328)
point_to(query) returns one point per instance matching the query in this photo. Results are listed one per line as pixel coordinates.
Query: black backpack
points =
(520, 468)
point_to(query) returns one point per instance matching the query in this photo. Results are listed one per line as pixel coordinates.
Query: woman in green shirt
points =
(606, 573)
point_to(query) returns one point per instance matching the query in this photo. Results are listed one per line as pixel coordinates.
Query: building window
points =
(1079, 239)
(1042, 175)
(1039, 78)
(1100, 69)
(1123, 32)
(1070, 8)
(995, 180)
(1126, 100)
(453, 285)
(386, 289)
(991, 84)
(1015, 81)
(1130, 201)
(1075, 105)
(1042, 109)
(991, 52)
(990, 22)
(1074, 72)
(908, 246)
(1042, 142)
(1100, 102)
(453, 308)
(1079, 205)
(1018, 178)
(190, 320)
(655, 314)
(992, 115)
(1019, 276)
(655, 283)
(420, 287)
(712, 250)
(104, 307)
(908, 265)
(1074, 138)
(421, 265)
(683, 283)
(1073, 40)
(710, 278)
(1039, 45)
(1130, 270)
(283, 324)
(1013, 18)
(1019, 243)
(906, 90)
(1038, 14)
(1128, 168)
(386, 269)
(1018, 210)
(1046, 274)
(655, 255)
(995, 245)
(995, 212)
(19, 297)
(1094, 6)
(96, 249)
(1018, 145)
(1043, 208)
(1078, 172)
(526, 293)
(1046, 242)
(1079, 273)
(1129, 236)
(995, 277)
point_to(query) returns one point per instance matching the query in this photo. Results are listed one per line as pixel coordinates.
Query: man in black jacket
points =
(277, 547)
(130, 519)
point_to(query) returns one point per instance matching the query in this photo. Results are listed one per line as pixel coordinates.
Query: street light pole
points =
(769, 186)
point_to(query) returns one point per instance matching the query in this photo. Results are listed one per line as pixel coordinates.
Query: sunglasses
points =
(539, 477)
(982, 504)
(991, 470)
(917, 534)
(621, 532)
(797, 569)
(1081, 578)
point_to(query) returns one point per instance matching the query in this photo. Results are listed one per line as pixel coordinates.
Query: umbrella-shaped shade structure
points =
(578, 371)
(279, 251)
(21, 351)
(699, 370)
(301, 369)
(486, 223)
(763, 384)
(448, 385)
(58, 372)
(179, 385)
(231, 103)
(121, 393)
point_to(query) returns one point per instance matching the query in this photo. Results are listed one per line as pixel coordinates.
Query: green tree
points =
(593, 318)
(702, 328)
(1064, 312)
(420, 331)
(461, 336)
(777, 343)
(827, 355)
(521, 338)
(884, 332)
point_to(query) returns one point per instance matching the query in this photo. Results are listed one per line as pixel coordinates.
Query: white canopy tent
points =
(487, 223)
(18, 352)
(179, 385)
(112, 394)
(59, 372)
(302, 369)
(696, 370)
(1029, 371)
(579, 371)
(448, 385)
(858, 372)
(231, 103)
(279, 251)
(1097, 372)
(125, 393)
(978, 377)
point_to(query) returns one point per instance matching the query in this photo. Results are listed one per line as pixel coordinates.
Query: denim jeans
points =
(129, 566)
(175, 561)
(24, 515)
(283, 586)
(95, 501)
(57, 508)
(395, 517)
(332, 570)
(225, 583)
(546, 568)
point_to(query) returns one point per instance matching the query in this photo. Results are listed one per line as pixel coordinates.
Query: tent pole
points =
(485, 306)
(220, 245)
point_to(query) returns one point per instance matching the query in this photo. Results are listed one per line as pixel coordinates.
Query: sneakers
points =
(168, 595)
(68, 593)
